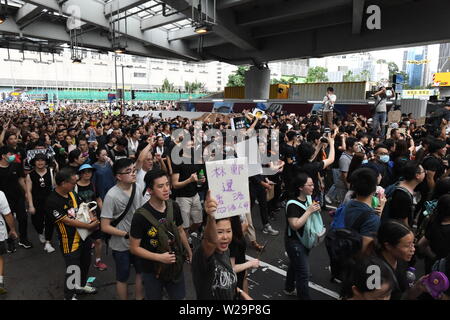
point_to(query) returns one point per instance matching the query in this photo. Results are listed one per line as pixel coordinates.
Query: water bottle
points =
(200, 176)
(411, 276)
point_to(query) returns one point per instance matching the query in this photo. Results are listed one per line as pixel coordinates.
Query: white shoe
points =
(86, 289)
(48, 247)
(290, 293)
(269, 230)
(42, 238)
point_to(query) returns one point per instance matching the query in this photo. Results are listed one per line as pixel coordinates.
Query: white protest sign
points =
(249, 149)
(228, 183)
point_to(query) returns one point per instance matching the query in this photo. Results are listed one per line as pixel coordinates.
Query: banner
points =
(228, 183)
(394, 116)
(238, 123)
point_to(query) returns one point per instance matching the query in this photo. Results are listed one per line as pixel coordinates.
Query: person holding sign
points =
(212, 271)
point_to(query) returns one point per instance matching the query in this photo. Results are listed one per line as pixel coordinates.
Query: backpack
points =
(168, 241)
(389, 193)
(427, 215)
(313, 230)
(343, 243)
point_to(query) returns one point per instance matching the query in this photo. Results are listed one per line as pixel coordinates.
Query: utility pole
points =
(115, 74)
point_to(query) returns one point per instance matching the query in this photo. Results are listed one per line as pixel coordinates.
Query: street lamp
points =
(123, 86)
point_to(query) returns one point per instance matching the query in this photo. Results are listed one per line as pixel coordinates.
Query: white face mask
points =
(408, 123)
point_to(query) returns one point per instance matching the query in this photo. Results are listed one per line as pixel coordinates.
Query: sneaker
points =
(11, 246)
(328, 200)
(100, 266)
(290, 293)
(269, 230)
(335, 280)
(25, 243)
(87, 289)
(2, 288)
(257, 246)
(42, 238)
(48, 247)
(74, 297)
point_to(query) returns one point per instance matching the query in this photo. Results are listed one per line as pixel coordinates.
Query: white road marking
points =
(312, 285)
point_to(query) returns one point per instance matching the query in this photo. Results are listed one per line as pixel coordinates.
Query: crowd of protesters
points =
(389, 181)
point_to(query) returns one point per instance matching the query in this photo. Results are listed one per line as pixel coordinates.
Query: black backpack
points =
(343, 244)
(168, 241)
(389, 193)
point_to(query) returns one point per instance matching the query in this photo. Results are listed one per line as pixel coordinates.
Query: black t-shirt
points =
(59, 207)
(432, 163)
(86, 193)
(294, 211)
(41, 186)
(116, 155)
(185, 171)
(400, 275)
(237, 250)
(9, 182)
(401, 206)
(214, 278)
(142, 229)
(439, 237)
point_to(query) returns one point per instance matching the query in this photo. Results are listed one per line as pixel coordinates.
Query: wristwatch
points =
(127, 236)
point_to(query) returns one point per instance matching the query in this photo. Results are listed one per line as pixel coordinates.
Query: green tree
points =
(167, 86)
(364, 75)
(238, 78)
(194, 87)
(317, 74)
(393, 69)
(349, 77)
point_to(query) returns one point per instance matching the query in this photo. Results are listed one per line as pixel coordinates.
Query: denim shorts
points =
(124, 260)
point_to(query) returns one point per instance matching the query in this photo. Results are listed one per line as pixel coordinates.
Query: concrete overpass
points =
(239, 31)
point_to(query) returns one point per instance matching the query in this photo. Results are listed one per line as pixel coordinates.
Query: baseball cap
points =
(85, 167)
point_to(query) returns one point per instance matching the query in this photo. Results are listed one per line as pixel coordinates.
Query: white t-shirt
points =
(4, 210)
(141, 183)
(328, 103)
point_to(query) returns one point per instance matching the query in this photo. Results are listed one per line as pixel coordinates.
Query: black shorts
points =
(2, 248)
(97, 234)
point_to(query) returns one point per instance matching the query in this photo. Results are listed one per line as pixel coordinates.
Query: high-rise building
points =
(444, 58)
(415, 66)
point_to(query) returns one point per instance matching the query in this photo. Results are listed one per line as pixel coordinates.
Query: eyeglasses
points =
(128, 172)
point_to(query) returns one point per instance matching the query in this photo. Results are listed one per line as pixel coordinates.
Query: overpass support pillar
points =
(257, 83)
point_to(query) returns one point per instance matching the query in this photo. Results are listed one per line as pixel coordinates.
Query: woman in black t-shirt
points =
(298, 272)
(86, 192)
(395, 247)
(212, 272)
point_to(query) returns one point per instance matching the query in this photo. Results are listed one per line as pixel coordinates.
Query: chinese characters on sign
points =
(228, 182)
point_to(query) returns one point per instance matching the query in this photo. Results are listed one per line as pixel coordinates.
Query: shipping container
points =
(279, 91)
(234, 93)
(345, 91)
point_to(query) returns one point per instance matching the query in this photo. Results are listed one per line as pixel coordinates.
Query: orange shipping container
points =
(234, 93)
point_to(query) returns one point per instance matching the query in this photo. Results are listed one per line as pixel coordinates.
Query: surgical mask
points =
(365, 161)
(11, 159)
(408, 123)
(384, 158)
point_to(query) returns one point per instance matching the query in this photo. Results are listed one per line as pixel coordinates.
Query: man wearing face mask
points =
(380, 163)
(12, 183)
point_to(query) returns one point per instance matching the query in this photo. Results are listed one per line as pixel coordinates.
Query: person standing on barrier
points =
(328, 105)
